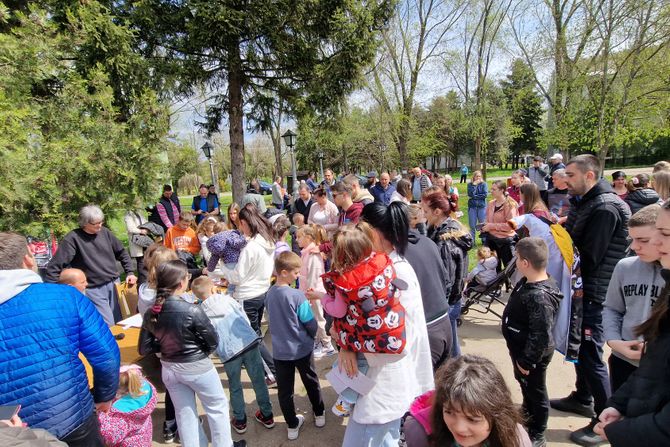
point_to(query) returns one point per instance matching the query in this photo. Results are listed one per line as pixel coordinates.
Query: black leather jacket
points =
(183, 333)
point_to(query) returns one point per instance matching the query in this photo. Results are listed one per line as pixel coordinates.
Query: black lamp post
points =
(207, 149)
(290, 138)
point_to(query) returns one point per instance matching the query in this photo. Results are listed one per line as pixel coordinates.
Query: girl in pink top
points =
(128, 421)
(312, 267)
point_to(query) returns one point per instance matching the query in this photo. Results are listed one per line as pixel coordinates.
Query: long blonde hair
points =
(661, 183)
(130, 381)
(316, 232)
(155, 256)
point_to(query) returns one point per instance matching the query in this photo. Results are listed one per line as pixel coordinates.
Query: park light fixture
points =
(290, 138)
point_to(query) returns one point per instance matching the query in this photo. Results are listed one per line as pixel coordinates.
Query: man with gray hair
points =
(93, 249)
(558, 199)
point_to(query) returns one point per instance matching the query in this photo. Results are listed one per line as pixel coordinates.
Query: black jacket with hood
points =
(528, 321)
(598, 225)
(640, 198)
(453, 241)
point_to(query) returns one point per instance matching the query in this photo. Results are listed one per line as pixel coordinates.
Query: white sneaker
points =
(320, 421)
(328, 349)
(294, 432)
(318, 352)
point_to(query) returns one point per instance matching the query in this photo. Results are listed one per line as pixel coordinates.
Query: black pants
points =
(141, 271)
(286, 382)
(535, 397)
(254, 308)
(620, 371)
(169, 408)
(504, 247)
(86, 435)
(593, 382)
(440, 341)
(464, 178)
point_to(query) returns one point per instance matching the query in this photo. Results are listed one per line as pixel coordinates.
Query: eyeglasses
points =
(96, 223)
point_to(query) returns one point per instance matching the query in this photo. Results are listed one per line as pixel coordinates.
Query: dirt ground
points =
(480, 334)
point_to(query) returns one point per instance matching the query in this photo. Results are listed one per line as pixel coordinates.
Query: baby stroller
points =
(487, 294)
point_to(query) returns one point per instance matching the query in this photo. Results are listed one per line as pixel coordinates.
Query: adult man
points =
(93, 249)
(167, 210)
(556, 163)
(277, 194)
(372, 180)
(205, 204)
(358, 194)
(464, 173)
(311, 182)
(253, 196)
(328, 182)
(43, 328)
(420, 182)
(350, 212)
(558, 197)
(304, 201)
(536, 174)
(598, 225)
(383, 190)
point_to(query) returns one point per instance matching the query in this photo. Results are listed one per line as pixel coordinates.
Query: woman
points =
(185, 337)
(375, 421)
(403, 192)
(233, 216)
(640, 409)
(640, 193)
(477, 192)
(253, 271)
(499, 236)
(323, 212)
(514, 190)
(453, 241)
(445, 183)
(619, 184)
(661, 183)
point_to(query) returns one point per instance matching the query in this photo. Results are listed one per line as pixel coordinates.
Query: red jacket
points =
(375, 319)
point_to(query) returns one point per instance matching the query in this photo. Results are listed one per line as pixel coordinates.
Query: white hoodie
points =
(251, 276)
(16, 281)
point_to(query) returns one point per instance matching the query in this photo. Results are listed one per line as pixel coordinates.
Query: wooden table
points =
(127, 348)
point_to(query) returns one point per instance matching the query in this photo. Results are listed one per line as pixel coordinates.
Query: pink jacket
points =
(132, 429)
(498, 220)
(311, 269)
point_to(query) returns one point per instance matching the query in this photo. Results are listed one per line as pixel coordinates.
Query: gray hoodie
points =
(632, 291)
(484, 271)
(16, 281)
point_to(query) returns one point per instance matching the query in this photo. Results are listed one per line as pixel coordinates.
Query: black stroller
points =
(486, 294)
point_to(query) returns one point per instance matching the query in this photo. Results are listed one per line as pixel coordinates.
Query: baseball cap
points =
(372, 174)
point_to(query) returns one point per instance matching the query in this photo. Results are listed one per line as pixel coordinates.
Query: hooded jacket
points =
(363, 196)
(253, 270)
(485, 271)
(453, 241)
(640, 198)
(598, 225)
(644, 400)
(128, 429)
(528, 321)
(43, 328)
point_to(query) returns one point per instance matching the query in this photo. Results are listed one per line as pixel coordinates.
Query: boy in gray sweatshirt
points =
(635, 285)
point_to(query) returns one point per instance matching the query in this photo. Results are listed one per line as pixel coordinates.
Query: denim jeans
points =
(371, 435)
(183, 389)
(475, 216)
(455, 314)
(253, 362)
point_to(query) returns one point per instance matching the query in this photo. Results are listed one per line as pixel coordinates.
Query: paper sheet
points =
(340, 381)
(134, 321)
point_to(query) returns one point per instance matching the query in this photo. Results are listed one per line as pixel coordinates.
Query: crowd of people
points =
(372, 272)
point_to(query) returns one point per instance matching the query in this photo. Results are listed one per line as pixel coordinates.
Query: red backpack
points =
(375, 319)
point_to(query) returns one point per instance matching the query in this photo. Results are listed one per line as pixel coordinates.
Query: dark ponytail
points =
(392, 221)
(168, 278)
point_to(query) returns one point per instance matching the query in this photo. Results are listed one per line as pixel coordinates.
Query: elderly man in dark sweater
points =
(93, 249)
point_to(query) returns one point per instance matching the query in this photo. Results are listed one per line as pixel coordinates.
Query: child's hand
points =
(313, 295)
(525, 372)
(347, 362)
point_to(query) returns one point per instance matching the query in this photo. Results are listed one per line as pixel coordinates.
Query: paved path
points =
(480, 334)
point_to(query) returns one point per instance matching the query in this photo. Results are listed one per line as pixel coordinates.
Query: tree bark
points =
(235, 118)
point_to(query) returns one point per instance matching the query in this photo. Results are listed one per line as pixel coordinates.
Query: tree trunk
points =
(402, 145)
(478, 154)
(235, 118)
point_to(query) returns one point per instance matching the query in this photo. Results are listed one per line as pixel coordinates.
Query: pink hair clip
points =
(635, 180)
(132, 367)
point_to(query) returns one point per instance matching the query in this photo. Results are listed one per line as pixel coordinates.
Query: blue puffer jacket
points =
(43, 327)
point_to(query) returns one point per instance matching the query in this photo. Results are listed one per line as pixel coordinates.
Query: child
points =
(280, 229)
(293, 329)
(361, 296)
(470, 406)
(485, 270)
(633, 289)
(640, 193)
(206, 229)
(226, 246)
(298, 221)
(238, 345)
(128, 421)
(182, 239)
(75, 278)
(527, 326)
(310, 279)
